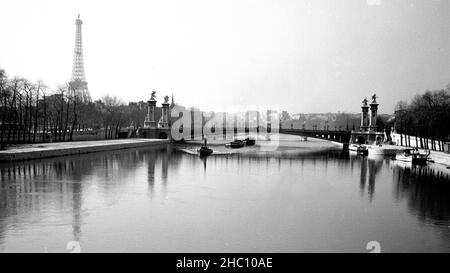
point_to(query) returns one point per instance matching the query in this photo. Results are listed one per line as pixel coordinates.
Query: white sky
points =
(306, 56)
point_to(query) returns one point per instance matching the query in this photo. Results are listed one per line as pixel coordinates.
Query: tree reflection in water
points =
(426, 190)
(30, 187)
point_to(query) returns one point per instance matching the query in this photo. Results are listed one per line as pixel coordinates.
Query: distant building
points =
(321, 121)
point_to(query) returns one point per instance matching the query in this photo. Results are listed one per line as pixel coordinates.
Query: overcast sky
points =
(306, 56)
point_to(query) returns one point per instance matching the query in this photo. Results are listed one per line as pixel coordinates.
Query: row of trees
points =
(427, 115)
(30, 112)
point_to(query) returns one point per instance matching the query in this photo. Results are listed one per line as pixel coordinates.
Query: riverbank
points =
(440, 158)
(44, 150)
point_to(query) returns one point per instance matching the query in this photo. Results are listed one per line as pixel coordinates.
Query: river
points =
(163, 200)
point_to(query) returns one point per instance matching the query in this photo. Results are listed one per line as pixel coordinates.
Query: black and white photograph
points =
(221, 126)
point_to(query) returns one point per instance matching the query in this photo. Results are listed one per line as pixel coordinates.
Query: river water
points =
(162, 200)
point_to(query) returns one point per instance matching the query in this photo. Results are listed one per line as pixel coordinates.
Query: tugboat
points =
(204, 150)
(413, 156)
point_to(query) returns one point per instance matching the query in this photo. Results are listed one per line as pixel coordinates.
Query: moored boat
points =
(362, 150)
(249, 142)
(237, 144)
(359, 149)
(414, 157)
(383, 150)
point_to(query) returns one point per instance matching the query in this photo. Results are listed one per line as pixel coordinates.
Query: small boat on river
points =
(414, 156)
(249, 142)
(204, 150)
(237, 144)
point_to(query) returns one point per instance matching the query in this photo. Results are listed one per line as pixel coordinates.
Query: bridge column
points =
(150, 118)
(373, 114)
(364, 116)
(165, 115)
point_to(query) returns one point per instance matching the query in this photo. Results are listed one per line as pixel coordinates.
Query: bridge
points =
(338, 136)
(342, 136)
(162, 128)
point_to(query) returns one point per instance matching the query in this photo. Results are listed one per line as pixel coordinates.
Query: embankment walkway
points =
(43, 150)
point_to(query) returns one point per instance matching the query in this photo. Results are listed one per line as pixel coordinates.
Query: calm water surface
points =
(161, 200)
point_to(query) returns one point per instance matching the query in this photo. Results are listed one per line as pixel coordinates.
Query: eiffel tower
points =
(78, 79)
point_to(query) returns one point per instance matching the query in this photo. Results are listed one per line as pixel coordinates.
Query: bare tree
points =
(4, 102)
(75, 99)
(36, 111)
